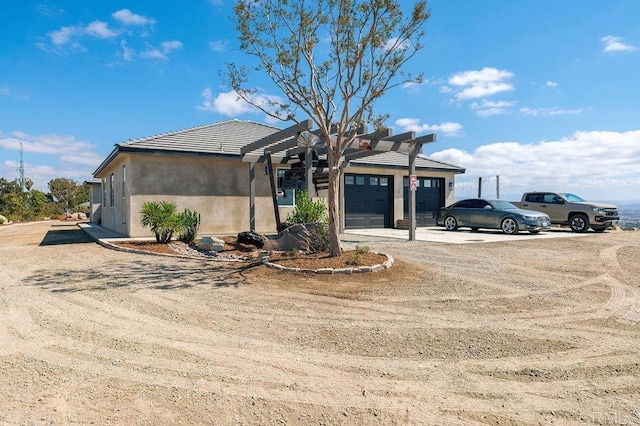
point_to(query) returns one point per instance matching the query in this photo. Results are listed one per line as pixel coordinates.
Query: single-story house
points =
(202, 169)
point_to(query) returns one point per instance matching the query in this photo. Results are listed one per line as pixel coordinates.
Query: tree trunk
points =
(334, 206)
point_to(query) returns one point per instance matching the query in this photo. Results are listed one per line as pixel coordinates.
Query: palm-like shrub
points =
(189, 224)
(161, 218)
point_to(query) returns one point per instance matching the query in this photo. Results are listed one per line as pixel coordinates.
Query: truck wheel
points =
(579, 223)
(450, 223)
(509, 226)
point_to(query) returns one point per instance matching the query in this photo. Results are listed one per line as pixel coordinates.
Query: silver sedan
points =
(476, 213)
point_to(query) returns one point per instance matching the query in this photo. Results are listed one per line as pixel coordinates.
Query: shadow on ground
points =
(67, 234)
(139, 275)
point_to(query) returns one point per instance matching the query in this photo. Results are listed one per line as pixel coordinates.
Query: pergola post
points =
(416, 148)
(308, 171)
(252, 197)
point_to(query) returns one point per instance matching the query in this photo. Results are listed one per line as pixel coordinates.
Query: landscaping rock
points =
(253, 238)
(211, 244)
(303, 237)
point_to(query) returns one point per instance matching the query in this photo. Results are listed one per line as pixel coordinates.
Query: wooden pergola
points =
(298, 139)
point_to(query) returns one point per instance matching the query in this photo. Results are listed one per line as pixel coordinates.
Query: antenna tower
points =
(22, 179)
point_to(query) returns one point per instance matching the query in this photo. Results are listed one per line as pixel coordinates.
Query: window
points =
(373, 181)
(349, 180)
(384, 181)
(104, 192)
(359, 180)
(112, 181)
(286, 194)
(124, 182)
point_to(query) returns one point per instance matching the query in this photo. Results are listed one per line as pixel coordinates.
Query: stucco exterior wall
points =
(95, 201)
(217, 188)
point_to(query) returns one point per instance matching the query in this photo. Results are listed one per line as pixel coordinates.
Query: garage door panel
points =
(429, 198)
(367, 201)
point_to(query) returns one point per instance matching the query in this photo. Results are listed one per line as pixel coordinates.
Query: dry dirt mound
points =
(525, 332)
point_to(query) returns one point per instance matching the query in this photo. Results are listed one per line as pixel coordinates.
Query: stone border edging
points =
(328, 271)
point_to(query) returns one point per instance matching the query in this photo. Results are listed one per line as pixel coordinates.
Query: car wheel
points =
(509, 226)
(579, 223)
(598, 228)
(450, 223)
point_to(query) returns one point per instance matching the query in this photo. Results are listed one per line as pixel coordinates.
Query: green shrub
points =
(307, 210)
(362, 249)
(189, 224)
(161, 218)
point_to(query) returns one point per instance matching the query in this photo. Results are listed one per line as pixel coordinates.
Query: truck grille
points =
(611, 212)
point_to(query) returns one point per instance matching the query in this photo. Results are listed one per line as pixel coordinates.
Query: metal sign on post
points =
(413, 182)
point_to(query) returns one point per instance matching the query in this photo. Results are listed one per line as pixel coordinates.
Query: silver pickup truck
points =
(569, 209)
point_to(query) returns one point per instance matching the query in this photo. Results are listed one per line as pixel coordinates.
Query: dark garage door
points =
(367, 201)
(429, 198)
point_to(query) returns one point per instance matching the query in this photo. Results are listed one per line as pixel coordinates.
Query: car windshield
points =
(572, 198)
(503, 205)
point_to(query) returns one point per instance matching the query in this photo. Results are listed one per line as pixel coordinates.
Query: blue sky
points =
(543, 93)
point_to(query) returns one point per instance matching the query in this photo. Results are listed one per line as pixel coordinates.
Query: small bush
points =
(307, 210)
(362, 249)
(189, 223)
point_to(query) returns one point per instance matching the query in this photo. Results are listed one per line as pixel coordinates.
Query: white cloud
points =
(413, 125)
(63, 35)
(100, 29)
(395, 44)
(486, 108)
(70, 35)
(549, 111)
(44, 144)
(480, 84)
(414, 87)
(126, 17)
(167, 47)
(12, 93)
(127, 53)
(551, 84)
(231, 105)
(48, 10)
(615, 44)
(595, 164)
(219, 45)
(76, 159)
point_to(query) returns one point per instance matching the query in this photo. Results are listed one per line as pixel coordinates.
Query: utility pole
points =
(498, 187)
(22, 180)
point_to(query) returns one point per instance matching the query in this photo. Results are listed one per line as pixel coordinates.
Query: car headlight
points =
(529, 217)
(599, 210)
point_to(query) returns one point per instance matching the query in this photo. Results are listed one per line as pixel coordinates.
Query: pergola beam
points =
(291, 131)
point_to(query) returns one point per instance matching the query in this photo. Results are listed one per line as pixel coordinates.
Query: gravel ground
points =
(519, 332)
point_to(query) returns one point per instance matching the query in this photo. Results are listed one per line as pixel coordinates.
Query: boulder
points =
(4, 220)
(304, 237)
(211, 244)
(252, 238)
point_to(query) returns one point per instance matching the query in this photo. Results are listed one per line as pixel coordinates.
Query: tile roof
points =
(228, 137)
(399, 159)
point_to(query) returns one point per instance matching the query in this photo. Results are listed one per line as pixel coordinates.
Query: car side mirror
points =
(488, 207)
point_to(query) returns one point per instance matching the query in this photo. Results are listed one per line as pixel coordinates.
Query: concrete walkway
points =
(463, 236)
(430, 233)
(97, 232)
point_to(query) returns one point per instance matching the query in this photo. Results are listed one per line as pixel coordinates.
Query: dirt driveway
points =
(519, 332)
